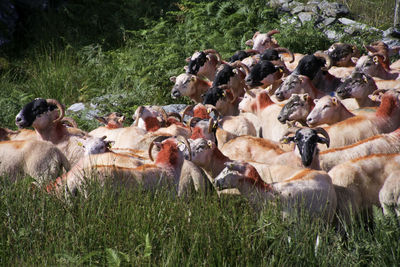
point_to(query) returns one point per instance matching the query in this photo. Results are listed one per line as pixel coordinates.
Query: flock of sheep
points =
(248, 133)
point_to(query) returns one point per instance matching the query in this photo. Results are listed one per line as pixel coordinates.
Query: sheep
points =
(204, 63)
(262, 41)
(358, 181)
(371, 65)
(377, 144)
(311, 188)
(258, 102)
(189, 85)
(359, 85)
(328, 110)
(297, 84)
(131, 172)
(389, 195)
(112, 121)
(296, 109)
(342, 53)
(359, 127)
(41, 160)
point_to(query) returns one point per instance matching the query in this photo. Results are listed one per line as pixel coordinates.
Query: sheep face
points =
(341, 54)
(296, 109)
(355, 86)
(33, 111)
(196, 62)
(306, 140)
(202, 151)
(290, 85)
(184, 85)
(261, 74)
(227, 179)
(324, 111)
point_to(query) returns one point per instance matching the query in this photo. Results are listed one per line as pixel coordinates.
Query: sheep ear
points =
(287, 139)
(210, 143)
(109, 144)
(249, 42)
(305, 96)
(354, 59)
(365, 79)
(187, 59)
(335, 101)
(101, 119)
(172, 79)
(193, 78)
(186, 68)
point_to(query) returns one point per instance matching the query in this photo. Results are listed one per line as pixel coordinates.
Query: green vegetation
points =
(120, 54)
(135, 228)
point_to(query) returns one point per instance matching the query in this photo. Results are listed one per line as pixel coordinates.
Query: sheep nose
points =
(309, 120)
(18, 119)
(281, 119)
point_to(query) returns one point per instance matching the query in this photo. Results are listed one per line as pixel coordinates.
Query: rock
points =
(351, 30)
(297, 9)
(333, 35)
(278, 3)
(392, 32)
(333, 9)
(76, 107)
(306, 16)
(347, 21)
(328, 21)
(391, 43)
(312, 7)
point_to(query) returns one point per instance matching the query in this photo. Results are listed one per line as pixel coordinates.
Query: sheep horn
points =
(213, 51)
(192, 119)
(157, 139)
(100, 119)
(59, 106)
(328, 60)
(210, 125)
(324, 133)
(176, 115)
(71, 122)
(272, 32)
(238, 64)
(139, 113)
(186, 110)
(163, 113)
(285, 50)
(378, 91)
(185, 141)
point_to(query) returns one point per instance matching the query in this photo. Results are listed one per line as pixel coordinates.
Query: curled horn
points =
(324, 133)
(70, 121)
(379, 91)
(272, 32)
(193, 119)
(212, 108)
(176, 115)
(157, 139)
(239, 64)
(139, 113)
(185, 141)
(210, 125)
(163, 113)
(186, 110)
(59, 106)
(213, 51)
(328, 60)
(285, 50)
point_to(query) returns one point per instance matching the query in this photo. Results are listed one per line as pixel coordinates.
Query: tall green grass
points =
(137, 228)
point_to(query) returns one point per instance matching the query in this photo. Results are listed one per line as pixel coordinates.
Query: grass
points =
(138, 228)
(119, 58)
